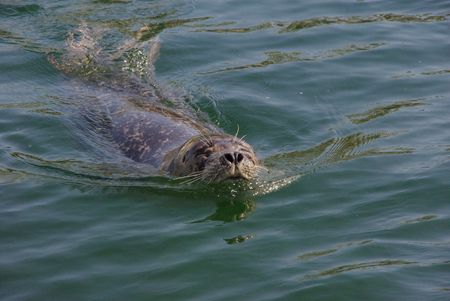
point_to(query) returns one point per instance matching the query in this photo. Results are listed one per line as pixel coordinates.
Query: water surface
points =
(350, 96)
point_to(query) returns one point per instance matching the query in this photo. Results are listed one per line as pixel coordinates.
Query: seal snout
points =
(232, 162)
(233, 158)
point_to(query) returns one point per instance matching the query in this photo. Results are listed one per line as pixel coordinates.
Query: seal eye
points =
(184, 158)
(208, 152)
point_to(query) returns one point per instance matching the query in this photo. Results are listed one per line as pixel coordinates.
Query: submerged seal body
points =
(181, 146)
(146, 130)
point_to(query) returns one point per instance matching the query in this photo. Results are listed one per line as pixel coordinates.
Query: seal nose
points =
(233, 158)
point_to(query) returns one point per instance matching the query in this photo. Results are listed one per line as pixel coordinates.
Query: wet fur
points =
(202, 158)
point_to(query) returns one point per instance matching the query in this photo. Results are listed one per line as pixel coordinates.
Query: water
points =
(351, 95)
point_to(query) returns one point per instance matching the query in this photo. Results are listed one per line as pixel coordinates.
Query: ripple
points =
(390, 17)
(86, 169)
(424, 218)
(381, 111)
(332, 151)
(320, 253)
(22, 105)
(261, 26)
(359, 266)
(10, 176)
(152, 29)
(127, 174)
(411, 74)
(25, 43)
(279, 57)
(293, 26)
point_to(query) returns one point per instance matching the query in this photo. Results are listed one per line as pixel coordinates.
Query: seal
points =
(171, 139)
(180, 146)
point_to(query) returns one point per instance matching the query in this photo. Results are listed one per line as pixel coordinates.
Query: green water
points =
(353, 96)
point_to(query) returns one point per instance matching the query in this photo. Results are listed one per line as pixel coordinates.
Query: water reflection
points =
(238, 239)
(231, 211)
(424, 218)
(359, 266)
(320, 253)
(410, 74)
(24, 43)
(331, 151)
(293, 26)
(279, 57)
(152, 29)
(383, 110)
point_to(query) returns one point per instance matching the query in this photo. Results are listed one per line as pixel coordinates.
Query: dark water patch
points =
(381, 111)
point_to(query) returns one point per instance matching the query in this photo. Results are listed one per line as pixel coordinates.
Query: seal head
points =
(212, 158)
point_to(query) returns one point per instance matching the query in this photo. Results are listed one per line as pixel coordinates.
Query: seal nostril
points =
(229, 158)
(239, 157)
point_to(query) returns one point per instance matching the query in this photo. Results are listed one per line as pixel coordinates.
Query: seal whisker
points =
(206, 139)
(237, 132)
(261, 167)
(189, 175)
(214, 178)
(242, 138)
(193, 180)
